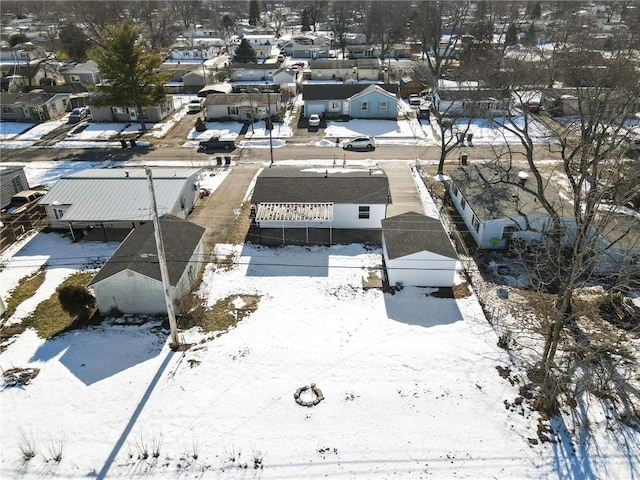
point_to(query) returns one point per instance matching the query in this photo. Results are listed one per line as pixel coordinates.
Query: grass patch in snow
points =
(26, 288)
(49, 319)
(238, 232)
(220, 317)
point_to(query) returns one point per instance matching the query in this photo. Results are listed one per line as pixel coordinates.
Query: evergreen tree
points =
(529, 39)
(536, 12)
(17, 39)
(254, 12)
(306, 21)
(74, 42)
(130, 73)
(245, 53)
(511, 37)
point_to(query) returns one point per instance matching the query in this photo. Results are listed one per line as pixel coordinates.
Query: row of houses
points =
(285, 200)
(293, 205)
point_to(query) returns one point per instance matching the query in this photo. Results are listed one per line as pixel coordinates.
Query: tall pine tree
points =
(254, 12)
(129, 71)
(245, 53)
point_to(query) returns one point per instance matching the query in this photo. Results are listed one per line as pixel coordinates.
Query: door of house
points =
(133, 114)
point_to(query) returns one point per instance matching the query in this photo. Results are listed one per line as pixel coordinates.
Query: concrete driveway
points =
(404, 194)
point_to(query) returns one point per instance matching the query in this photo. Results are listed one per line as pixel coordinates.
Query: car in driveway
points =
(78, 114)
(360, 143)
(195, 105)
(314, 120)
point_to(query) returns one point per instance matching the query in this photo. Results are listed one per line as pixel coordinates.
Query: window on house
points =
(58, 212)
(363, 211)
(7, 110)
(17, 184)
(232, 110)
(364, 106)
(463, 203)
(75, 78)
(475, 222)
(334, 105)
(383, 106)
(454, 189)
(117, 110)
(509, 230)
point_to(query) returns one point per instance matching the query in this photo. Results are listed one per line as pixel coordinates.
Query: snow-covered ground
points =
(409, 381)
(409, 131)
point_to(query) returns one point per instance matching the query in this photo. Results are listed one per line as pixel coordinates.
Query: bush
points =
(76, 300)
(201, 126)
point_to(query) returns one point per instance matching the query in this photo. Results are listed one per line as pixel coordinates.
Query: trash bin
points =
(132, 142)
(460, 137)
(463, 158)
(123, 142)
(469, 137)
(227, 160)
(218, 161)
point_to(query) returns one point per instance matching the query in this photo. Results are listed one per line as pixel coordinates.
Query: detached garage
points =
(417, 251)
(131, 282)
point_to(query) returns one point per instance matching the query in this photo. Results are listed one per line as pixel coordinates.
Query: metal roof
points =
(295, 212)
(106, 195)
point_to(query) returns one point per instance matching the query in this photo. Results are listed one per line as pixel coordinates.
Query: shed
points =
(131, 282)
(418, 251)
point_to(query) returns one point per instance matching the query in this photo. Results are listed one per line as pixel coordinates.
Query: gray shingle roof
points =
(341, 91)
(293, 185)
(412, 232)
(484, 189)
(138, 251)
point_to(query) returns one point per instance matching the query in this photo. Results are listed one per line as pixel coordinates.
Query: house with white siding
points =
(418, 251)
(289, 199)
(345, 70)
(118, 198)
(131, 282)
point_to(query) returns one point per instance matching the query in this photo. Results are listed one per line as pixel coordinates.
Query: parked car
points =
(415, 100)
(314, 120)
(215, 143)
(78, 114)
(360, 143)
(195, 105)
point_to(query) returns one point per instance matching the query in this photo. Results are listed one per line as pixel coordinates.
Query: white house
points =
(248, 106)
(418, 251)
(472, 102)
(116, 198)
(131, 282)
(288, 198)
(263, 45)
(494, 208)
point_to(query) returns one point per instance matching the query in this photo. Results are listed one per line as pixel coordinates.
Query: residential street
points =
(291, 151)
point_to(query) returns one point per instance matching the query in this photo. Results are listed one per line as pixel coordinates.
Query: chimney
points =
(522, 177)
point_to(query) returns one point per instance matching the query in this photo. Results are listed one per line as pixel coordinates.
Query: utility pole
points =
(269, 125)
(162, 260)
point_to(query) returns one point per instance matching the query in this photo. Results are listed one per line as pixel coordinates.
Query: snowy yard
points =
(410, 381)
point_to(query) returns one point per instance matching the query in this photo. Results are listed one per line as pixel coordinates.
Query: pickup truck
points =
(22, 201)
(215, 143)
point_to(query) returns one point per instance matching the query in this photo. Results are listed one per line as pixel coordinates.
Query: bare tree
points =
(571, 250)
(387, 24)
(342, 14)
(186, 10)
(439, 51)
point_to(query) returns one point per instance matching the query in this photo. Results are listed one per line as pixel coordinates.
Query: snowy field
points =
(409, 381)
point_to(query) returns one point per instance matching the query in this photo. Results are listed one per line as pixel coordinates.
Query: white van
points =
(195, 105)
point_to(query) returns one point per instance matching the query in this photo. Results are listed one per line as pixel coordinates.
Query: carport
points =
(296, 216)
